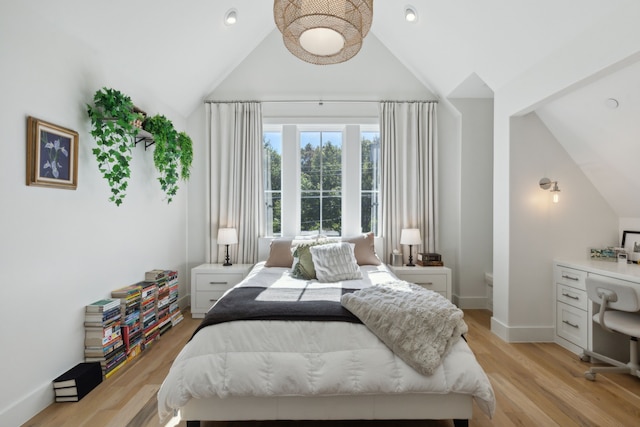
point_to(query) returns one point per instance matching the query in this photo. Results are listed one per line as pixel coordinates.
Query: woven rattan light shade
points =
(323, 31)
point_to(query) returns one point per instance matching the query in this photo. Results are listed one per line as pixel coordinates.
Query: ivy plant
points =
(112, 117)
(172, 155)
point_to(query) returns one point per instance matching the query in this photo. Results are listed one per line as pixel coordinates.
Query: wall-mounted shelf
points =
(146, 137)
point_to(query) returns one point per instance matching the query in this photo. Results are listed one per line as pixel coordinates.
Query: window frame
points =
(351, 175)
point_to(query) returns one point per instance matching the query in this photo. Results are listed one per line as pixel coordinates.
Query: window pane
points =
(332, 215)
(321, 182)
(331, 161)
(272, 143)
(310, 210)
(370, 180)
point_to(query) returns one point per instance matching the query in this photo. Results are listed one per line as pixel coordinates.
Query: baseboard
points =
(28, 407)
(470, 302)
(514, 334)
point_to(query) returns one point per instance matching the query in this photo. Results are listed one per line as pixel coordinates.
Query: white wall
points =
(541, 231)
(476, 199)
(62, 249)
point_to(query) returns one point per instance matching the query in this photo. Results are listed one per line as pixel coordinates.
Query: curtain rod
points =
(318, 101)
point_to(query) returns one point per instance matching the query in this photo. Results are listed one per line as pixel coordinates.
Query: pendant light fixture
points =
(323, 32)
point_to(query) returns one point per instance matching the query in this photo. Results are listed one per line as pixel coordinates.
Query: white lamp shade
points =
(410, 236)
(227, 236)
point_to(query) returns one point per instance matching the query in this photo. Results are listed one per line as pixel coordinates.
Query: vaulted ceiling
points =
(181, 51)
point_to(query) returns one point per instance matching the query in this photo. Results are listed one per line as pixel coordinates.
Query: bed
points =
(288, 362)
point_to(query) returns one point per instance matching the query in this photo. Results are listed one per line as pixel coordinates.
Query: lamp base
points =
(227, 262)
(411, 264)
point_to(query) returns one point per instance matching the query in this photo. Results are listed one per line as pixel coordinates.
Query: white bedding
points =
(309, 358)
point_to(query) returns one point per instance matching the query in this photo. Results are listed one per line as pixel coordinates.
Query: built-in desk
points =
(575, 329)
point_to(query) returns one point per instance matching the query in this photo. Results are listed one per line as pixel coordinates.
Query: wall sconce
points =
(547, 184)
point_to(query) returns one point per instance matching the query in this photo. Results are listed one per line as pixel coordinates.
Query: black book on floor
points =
(77, 381)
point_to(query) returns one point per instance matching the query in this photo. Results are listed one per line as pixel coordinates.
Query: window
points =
(321, 179)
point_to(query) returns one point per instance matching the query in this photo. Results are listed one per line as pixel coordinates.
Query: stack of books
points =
(162, 303)
(150, 329)
(131, 324)
(103, 335)
(429, 260)
(174, 308)
(77, 382)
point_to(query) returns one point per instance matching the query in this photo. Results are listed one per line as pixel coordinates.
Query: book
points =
(103, 305)
(77, 382)
(67, 398)
(154, 275)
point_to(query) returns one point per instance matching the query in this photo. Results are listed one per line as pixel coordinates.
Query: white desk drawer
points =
(572, 296)
(571, 277)
(217, 282)
(571, 324)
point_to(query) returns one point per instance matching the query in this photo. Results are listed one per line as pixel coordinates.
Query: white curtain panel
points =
(409, 170)
(237, 194)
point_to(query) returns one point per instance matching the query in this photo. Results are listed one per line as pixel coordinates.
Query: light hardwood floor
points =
(535, 384)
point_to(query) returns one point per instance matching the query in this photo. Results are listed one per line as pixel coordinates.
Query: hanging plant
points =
(186, 155)
(173, 153)
(112, 125)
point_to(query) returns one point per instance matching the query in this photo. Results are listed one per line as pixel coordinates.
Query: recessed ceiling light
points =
(613, 103)
(410, 14)
(231, 17)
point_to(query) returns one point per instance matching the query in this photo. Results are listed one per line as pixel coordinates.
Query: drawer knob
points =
(427, 283)
(218, 283)
(566, 276)
(570, 296)
(571, 324)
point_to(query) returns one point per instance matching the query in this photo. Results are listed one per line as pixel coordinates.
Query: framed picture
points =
(631, 244)
(52, 155)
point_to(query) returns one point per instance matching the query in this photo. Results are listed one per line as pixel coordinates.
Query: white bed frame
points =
(415, 406)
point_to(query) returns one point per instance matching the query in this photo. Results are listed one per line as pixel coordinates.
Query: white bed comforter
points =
(268, 358)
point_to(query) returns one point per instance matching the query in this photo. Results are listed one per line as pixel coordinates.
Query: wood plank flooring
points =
(537, 384)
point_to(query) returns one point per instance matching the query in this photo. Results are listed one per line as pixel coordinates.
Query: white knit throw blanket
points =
(417, 324)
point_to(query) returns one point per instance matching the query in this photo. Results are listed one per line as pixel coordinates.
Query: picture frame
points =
(52, 155)
(631, 244)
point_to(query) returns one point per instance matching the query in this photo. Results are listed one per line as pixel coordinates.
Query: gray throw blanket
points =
(417, 324)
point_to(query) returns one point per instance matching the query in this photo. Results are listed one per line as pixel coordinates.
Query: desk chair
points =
(619, 313)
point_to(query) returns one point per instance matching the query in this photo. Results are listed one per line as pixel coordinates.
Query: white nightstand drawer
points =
(572, 296)
(433, 282)
(571, 324)
(571, 277)
(205, 299)
(217, 282)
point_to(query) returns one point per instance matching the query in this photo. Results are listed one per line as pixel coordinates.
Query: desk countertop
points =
(614, 269)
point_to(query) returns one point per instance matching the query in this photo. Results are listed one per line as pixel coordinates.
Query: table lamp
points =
(410, 236)
(227, 236)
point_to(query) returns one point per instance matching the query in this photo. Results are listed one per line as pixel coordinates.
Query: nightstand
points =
(433, 278)
(210, 281)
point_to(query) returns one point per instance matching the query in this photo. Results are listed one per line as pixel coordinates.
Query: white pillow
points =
(334, 262)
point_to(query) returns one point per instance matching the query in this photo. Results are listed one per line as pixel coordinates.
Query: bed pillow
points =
(365, 250)
(280, 253)
(334, 262)
(303, 267)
